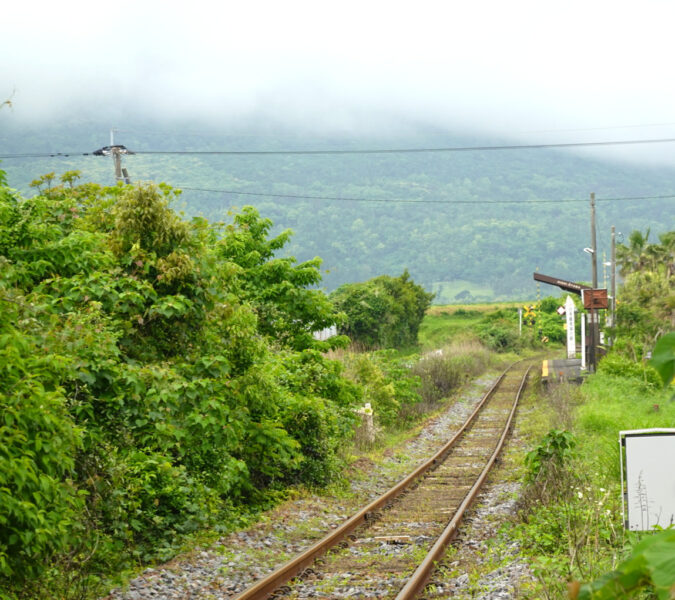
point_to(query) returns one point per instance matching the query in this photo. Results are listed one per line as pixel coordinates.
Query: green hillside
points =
(483, 223)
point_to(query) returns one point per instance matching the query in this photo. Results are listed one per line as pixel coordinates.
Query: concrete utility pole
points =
(594, 330)
(613, 278)
(594, 249)
(115, 151)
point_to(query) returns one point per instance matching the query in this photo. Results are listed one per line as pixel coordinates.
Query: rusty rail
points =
(266, 586)
(418, 580)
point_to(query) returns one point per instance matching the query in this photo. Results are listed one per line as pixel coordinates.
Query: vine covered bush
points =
(158, 375)
(383, 312)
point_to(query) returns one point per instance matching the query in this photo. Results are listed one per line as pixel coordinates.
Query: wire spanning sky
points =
(531, 71)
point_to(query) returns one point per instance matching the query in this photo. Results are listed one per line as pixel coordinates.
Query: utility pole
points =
(594, 249)
(116, 151)
(593, 329)
(613, 279)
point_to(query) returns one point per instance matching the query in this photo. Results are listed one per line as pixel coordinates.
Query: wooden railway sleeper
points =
(263, 588)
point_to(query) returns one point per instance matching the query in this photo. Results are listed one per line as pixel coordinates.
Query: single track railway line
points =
(389, 548)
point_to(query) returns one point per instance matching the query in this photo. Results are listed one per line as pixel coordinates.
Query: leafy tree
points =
(288, 309)
(157, 374)
(384, 312)
(647, 302)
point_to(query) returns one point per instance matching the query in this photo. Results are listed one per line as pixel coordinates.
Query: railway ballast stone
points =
(225, 569)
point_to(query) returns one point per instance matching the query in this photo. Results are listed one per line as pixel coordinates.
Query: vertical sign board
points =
(571, 339)
(583, 341)
(648, 480)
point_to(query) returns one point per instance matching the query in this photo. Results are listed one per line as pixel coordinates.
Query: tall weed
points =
(443, 372)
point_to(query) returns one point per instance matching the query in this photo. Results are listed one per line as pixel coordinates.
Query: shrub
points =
(384, 312)
(552, 452)
(440, 374)
(500, 337)
(39, 503)
(151, 501)
(620, 366)
(314, 424)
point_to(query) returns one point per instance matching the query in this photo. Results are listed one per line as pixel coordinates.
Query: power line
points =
(363, 151)
(404, 201)
(417, 150)
(46, 155)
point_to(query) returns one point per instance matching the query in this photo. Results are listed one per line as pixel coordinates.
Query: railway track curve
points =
(389, 548)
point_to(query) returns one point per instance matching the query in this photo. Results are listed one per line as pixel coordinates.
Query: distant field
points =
(444, 323)
(482, 308)
(460, 290)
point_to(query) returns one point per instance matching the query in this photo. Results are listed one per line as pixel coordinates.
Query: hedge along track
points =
(388, 549)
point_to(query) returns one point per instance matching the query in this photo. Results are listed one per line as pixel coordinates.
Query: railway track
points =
(389, 548)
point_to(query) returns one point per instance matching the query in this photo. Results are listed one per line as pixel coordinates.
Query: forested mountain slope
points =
(483, 222)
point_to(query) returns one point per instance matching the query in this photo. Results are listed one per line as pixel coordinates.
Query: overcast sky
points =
(535, 69)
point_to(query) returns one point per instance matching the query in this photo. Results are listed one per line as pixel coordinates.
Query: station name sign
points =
(569, 286)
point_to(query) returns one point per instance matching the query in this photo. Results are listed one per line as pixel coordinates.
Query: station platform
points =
(564, 369)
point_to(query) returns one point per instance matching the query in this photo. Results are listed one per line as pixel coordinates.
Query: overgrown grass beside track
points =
(570, 522)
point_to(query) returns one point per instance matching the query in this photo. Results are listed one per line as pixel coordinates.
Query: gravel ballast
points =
(236, 561)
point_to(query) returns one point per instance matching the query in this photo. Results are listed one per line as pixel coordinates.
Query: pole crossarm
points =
(568, 286)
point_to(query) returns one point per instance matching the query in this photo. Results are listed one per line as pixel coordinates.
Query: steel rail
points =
(262, 589)
(418, 580)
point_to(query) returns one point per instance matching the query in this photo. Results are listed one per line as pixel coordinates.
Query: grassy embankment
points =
(452, 351)
(457, 321)
(569, 524)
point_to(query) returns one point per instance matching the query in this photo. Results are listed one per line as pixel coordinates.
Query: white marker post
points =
(571, 337)
(583, 341)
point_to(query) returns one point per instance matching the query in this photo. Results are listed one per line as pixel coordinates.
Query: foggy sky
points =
(530, 70)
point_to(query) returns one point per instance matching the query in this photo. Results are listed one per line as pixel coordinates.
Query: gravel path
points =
(237, 560)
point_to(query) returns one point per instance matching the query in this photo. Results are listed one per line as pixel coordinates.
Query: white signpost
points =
(571, 337)
(583, 341)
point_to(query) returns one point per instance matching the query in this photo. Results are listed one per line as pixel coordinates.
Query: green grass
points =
(442, 324)
(437, 330)
(448, 291)
(571, 524)
(612, 404)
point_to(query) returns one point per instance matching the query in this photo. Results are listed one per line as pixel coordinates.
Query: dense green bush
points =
(388, 384)
(550, 326)
(621, 366)
(384, 312)
(158, 375)
(499, 331)
(39, 502)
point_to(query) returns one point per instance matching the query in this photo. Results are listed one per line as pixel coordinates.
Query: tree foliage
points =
(156, 374)
(384, 312)
(646, 309)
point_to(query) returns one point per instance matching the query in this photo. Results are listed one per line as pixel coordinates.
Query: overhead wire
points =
(504, 147)
(380, 151)
(413, 150)
(410, 201)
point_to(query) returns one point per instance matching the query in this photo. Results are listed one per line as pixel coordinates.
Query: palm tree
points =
(632, 258)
